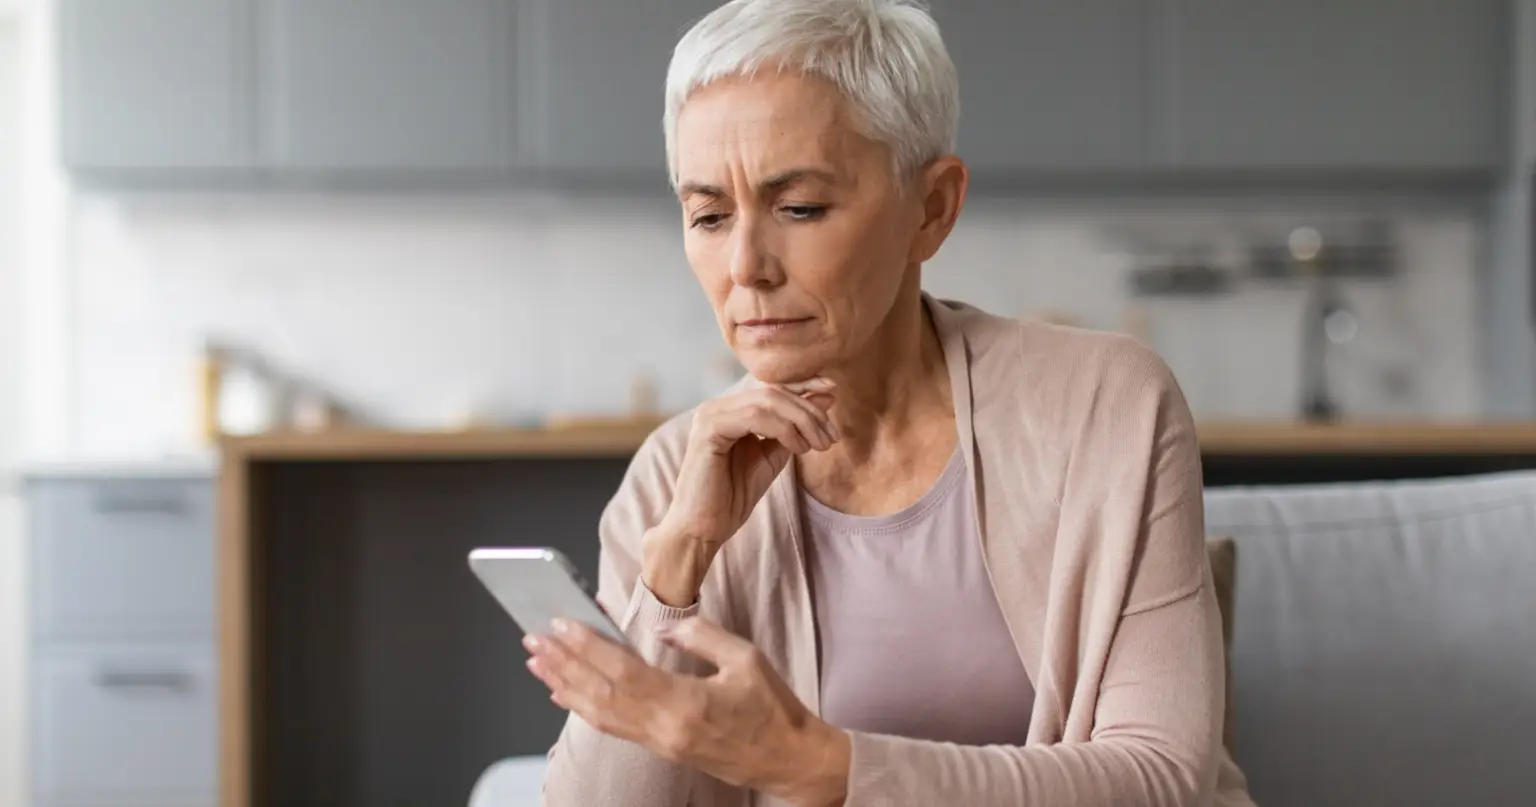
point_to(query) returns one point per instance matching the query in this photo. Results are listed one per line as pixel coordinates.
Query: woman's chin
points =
(779, 366)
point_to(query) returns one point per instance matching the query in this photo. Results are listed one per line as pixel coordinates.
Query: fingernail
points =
(821, 383)
(532, 643)
(563, 627)
(535, 667)
(837, 434)
(664, 632)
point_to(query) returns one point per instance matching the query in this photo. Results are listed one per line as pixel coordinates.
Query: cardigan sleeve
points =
(1155, 739)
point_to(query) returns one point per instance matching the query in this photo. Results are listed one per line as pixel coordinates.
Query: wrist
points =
(825, 755)
(673, 566)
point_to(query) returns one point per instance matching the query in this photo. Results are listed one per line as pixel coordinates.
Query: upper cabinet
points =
(602, 74)
(1338, 84)
(518, 90)
(1047, 85)
(1525, 60)
(154, 84)
(403, 85)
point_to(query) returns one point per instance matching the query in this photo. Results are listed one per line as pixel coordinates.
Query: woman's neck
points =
(897, 391)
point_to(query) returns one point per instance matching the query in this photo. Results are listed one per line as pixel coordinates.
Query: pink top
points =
(910, 637)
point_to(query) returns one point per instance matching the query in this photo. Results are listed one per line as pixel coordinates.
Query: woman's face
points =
(795, 226)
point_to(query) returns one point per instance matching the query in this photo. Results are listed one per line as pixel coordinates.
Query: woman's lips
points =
(768, 328)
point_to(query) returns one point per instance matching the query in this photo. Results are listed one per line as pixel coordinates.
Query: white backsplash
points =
(418, 309)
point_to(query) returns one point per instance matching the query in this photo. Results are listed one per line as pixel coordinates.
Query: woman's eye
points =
(708, 221)
(805, 212)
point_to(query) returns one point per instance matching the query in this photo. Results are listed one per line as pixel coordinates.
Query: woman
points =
(924, 555)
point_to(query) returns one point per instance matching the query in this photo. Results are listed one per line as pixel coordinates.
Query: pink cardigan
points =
(1088, 486)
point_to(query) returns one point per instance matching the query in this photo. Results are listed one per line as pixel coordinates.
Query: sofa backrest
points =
(1385, 642)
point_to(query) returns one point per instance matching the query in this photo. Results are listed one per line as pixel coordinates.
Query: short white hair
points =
(886, 57)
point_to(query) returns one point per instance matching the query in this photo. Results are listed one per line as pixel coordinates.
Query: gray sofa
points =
(1384, 648)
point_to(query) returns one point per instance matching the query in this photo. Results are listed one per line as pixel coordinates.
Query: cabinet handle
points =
(173, 680)
(131, 505)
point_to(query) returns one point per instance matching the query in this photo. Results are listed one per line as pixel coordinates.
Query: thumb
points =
(708, 641)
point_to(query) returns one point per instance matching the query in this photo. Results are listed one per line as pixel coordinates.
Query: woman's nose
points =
(752, 263)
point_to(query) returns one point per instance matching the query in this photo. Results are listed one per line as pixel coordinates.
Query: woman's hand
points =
(741, 724)
(736, 448)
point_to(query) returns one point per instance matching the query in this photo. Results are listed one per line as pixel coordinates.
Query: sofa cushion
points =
(1385, 648)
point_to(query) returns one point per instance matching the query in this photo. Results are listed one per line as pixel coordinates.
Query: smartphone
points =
(534, 585)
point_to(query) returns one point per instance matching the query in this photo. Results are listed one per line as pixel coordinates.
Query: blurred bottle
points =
(209, 379)
(642, 396)
(247, 396)
(311, 410)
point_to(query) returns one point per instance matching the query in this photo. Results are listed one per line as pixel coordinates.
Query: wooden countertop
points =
(620, 440)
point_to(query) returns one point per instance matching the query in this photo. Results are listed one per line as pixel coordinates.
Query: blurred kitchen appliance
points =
(1328, 320)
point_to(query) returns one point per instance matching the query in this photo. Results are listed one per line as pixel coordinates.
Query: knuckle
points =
(628, 676)
(603, 692)
(752, 659)
(674, 740)
(691, 713)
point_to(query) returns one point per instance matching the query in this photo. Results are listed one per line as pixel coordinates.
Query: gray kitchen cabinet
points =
(154, 84)
(123, 685)
(1525, 81)
(1049, 86)
(1324, 84)
(125, 727)
(122, 557)
(600, 84)
(404, 85)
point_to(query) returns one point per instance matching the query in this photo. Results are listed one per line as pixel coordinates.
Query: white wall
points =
(421, 307)
(12, 620)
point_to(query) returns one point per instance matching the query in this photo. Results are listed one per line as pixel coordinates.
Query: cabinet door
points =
(1525, 88)
(391, 85)
(603, 70)
(1328, 84)
(154, 84)
(125, 727)
(122, 558)
(1047, 85)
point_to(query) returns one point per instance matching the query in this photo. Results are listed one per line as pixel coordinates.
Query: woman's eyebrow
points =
(783, 179)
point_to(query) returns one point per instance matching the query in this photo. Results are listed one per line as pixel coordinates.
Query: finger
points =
(567, 675)
(810, 421)
(710, 642)
(767, 414)
(609, 658)
(817, 384)
(818, 404)
(595, 711)
(822, 401)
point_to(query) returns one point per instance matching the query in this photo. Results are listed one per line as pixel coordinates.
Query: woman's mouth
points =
(770, 327)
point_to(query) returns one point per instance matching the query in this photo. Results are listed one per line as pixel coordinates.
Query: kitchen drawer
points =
(130, 726)
(122, 558)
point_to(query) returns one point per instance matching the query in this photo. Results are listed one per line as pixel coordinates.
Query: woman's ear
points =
(942, 186)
